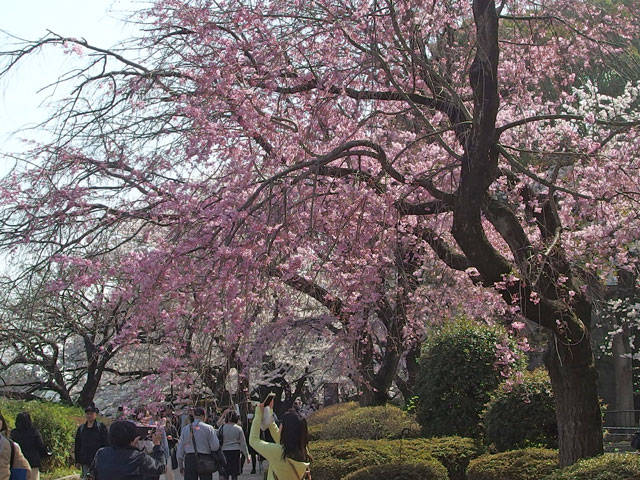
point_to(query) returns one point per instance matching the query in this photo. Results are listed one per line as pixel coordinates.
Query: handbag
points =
(16, 472)
(205, 462)
(635, 440)
(219, 454)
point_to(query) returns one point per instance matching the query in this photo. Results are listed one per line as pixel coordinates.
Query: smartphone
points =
(144, 431)
(268, 400)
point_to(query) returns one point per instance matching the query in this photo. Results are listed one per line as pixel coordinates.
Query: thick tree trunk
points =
(370, 397)
(574, 380)
(374, 385)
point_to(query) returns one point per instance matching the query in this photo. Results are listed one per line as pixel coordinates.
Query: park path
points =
(246, 475)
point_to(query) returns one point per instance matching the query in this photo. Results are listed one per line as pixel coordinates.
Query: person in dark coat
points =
(30, 441)
(122, 460)
(90, 437)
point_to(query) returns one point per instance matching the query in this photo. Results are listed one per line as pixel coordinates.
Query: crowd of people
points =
(166, 444)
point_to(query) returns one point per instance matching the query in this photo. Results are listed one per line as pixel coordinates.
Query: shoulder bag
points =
(219, 454)
(205, 462)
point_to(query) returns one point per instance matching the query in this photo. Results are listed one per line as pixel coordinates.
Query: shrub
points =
(522, 415)
(610, 466)
(319, 419)
(369, 423)
(333, 460)
(57, 424)
(400, 471)
(322, 416)
(527, 464)
(454, 453)
(457, 374)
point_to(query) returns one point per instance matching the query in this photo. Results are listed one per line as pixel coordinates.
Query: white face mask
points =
(250, 416)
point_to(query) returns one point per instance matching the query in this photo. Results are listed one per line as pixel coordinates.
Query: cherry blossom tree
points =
(347, 151)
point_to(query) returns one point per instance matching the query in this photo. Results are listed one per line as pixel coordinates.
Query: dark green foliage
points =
(527, 464)
(368, 423)
(414, 471)
(611, 466)
(333, 460)
(522, 415)
(454, 453)
(57, 424)
(457, 374)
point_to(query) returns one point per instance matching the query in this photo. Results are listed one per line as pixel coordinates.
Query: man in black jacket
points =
(122, 460)
(90, 437)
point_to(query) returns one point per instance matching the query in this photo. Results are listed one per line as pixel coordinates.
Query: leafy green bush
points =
(527, 464)
(319, 419)
(457, 374)
(522, 415)
(610, 466)
(369, 423)
(454, 453)
(334, 460)
(322, 416)
(398, 471)
(57, 424)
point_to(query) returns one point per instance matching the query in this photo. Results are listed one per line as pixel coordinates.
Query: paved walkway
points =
(246, 475)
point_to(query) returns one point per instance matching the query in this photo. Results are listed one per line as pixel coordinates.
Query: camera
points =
(144, 431)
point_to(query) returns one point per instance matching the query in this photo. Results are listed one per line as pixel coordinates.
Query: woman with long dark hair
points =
(288, 456)
(30, 441)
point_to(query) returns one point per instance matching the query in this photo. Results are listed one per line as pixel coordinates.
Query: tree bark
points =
(574, 381)
(570, 359)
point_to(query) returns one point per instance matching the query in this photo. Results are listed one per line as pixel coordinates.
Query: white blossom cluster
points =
(619, 315)
(595, 106)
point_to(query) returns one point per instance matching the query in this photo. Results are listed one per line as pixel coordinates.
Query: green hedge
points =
(319, 419)
(334, 460)
(456, 376)
(57, 424)
(367, 423)
(526, 464)
(610, 466)
(432, 470)
(522, 415)
(322, 416)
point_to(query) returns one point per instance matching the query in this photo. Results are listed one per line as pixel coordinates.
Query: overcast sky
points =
(98, 21)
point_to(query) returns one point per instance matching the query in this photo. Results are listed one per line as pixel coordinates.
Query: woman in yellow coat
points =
(288, 457)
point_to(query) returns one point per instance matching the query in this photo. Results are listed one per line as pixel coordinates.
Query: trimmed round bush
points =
(401, 471)
(522, 415)
(319, 419)
(333, 460)
(322, 416)
(454, 453)
(369, 423)
(610, 466)
(57, 423)
(456, 376)
(526, 464)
